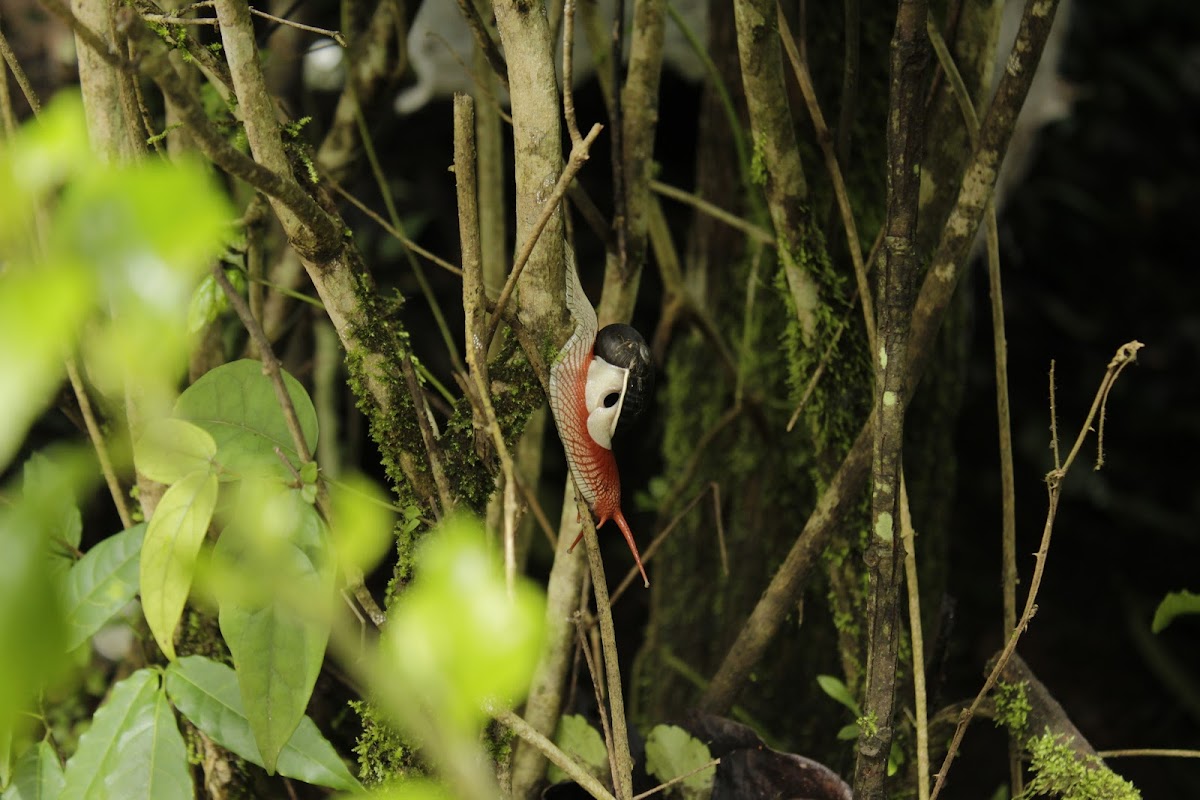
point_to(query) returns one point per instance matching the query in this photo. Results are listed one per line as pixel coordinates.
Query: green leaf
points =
(101, 583)
(416, 789)
(838, 691)
(208, 301)
(169, 552)
(671, 752)
(581, 741)
(456, 640)
(363, 521)
(49, 484)
(170, 449)
(236, 403)
(1172, 606)
(152, 762)
(38, 776)
(31, 623)
(848, 733)
(40, 315)
(277, 637)
(102, 747)
(207, 693)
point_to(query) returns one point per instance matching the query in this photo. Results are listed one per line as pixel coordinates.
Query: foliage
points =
(1173, 605)
(581, 741)
(672, 752)
(1059, 771)
(1012, 707)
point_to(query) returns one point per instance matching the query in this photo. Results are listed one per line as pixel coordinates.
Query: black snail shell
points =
(622, 346)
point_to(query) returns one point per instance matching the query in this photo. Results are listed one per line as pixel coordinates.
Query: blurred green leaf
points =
(277, 633)
(363, 521)
(236, 404)
(38, 775)
(1172, 606)
(838, 691)
(671, 752)
(207, 693)
(578, 739)
(31, 621)
(455, 639)
(169, 551)
(170, 449)
(848, 733)
(41, 312)
(208, 302)
(50, 485)
(152, 763)
(101, 583)
(102, 746)
(407, 790)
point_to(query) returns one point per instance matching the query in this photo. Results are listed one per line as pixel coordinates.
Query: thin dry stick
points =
(1153, 752)
(582, 643)
(579, 156)
(484, 41)
(917, 636)
(755, 232)
(1126, 354)
(433, 258)
(14, 66)
(825, 141)
(1008, 522)
(661, 538)
(612, 666)
(678, 779)
(554, 755)
(97, 437)
(475, 317)
(269, 361)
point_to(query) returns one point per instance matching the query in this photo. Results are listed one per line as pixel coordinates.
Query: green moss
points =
(1012, 707)
(383, 755)
(1059, 771)
(758, 163)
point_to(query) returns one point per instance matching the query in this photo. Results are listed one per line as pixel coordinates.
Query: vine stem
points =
(1126, 354)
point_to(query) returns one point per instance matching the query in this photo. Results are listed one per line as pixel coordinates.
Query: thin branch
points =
(579, 156)
(1148, 752)
(335, 35)
(556, 756)
(825, 141)
(484, 41)
(678, 779)
(612, 667)
(916, 634)
(14, 67)
(270, 363)
(755, 232)
(582, 646)
(395, 233)
(1125, 355)
(98, 443)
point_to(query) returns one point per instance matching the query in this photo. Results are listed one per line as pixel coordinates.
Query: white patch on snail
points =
(603, 379)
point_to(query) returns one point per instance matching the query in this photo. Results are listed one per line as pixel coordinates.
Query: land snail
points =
(600, 382)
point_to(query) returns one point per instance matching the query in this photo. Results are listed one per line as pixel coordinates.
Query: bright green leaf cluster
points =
(1059, 771)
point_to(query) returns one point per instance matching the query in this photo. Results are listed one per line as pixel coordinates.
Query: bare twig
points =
(916, 634)
(484, 40)
(1125, 355)
(14, 67)
(556, 756)
(623, 764)
(758, 234)
(1148, 752)
(585, 649)
(98, 443)
(579, 156)
(677, 779)
(398, 235)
